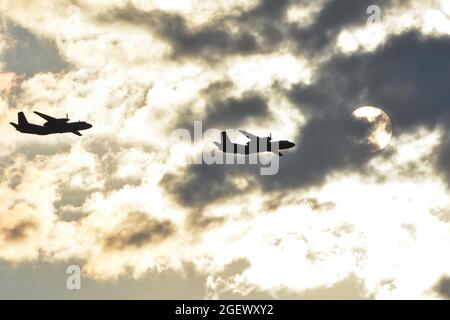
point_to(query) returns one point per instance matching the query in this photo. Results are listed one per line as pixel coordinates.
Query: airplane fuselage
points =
(67, 127)
(52, 126)
(258, 147)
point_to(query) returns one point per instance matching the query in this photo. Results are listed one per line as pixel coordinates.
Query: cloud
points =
(31, 151)
(233, 112)
(332, 18)
(263, 28)
(18, 231)
(69, 207)
(8, 82)
(198, 186)
(249, 31)
(227, 113)
(443, 157)
(29, 53)
(48, 281)
(138, 230)
(22, 232)
(208, 43)
(341, 85)
(350, 288)
(123, 202)
(349, 81)
(210, 182)
(443, 287)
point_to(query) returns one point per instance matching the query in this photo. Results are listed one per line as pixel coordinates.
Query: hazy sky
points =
(125, 202)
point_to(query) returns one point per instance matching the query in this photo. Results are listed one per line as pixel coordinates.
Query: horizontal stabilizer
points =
(13, 124)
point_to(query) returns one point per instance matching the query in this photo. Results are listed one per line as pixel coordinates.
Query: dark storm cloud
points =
(226, 113)
(261, 29)
(208, 42)
(268, 9)
(267, 20)
(325, 146)
(19, 231)
(443, 287)
(29, 53)
(406, 77)
(258, 30)
(443, 156)
(138, 230)
(217, 89)
(203, 184)
(233, 112)
(333, 17)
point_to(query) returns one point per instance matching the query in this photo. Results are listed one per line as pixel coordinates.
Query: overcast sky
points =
(125, 202)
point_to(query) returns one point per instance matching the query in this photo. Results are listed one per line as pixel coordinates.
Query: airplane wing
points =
(248, 135)
(77, 133)
(46, 117)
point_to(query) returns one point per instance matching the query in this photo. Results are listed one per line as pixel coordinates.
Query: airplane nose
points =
(284, 144)
(89, 125)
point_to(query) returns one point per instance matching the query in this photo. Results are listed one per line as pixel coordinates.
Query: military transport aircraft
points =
(255, 145)
(53, 125)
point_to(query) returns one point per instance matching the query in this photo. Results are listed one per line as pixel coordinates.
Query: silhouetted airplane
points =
(53, 125)
(255, 145)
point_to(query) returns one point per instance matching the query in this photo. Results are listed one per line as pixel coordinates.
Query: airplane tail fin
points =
(22, 119)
